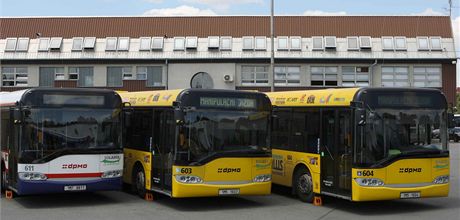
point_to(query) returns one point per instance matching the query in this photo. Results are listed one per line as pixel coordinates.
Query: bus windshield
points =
(49, 131)
(396, 132)
(207, 134)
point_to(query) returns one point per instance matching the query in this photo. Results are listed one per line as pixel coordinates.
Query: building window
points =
(324, 75)
(213, 42)
(423, 43)
(127, 73)
(43, 44)
(296, 43)
(111, 44)
(395, 76)
(435, 43)
(318, 43)
(287, 75)
(47, 75)
(191, 42)
(353, 43)
(283, 43)
(77, 44)
(254, 75)
(114, 76)
(90, 43)
(400, 43)
(260, 43)
(179, 43)
(355, 76)
(226, 43)
(387, 43)
(14, 76)
(248, 43)
(84, 75)
(123, 44)
(365, 42)
(427, 77)
(202, 80)
(153, 75)
(55, 43)
(144, 43)
(330, 42)
(23, 44)
(157, 43)
(11, 44)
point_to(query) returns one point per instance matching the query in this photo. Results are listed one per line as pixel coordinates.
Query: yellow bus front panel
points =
(223, 176)
(408, 178)
(284, 163)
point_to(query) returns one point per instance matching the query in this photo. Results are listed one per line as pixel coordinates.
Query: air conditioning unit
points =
(228, 78)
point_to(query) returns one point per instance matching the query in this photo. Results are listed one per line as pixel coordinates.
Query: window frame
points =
(154, 47)
(426, 73)
(18, 44)
(123, 73)
(182, 46)
(361, 46)
(394, 80)
(287, 73)
(40, 42)
(81, 45)
(15, 74)
(55, 47)
(115, 43)
(222, 47)
(286, 38)
(357, 43)
(213, 46)
(89, 43)
(391, 39)
(427, 48)
(261, 39)
(293, 48)
(313, 38)
(141, 73)
(324, 73)
(121, 40)
(329, 47)
(149, 42)
(247, 38)
(254, 78)
(15, 40)
(395, 44)
(355, 75)
(431, 43)
(77, 73)
(191, 43)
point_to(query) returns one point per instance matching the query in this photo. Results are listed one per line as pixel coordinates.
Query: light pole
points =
(272, 42)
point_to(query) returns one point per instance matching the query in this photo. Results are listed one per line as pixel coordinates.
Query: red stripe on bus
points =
(8, 104)
(73, 175)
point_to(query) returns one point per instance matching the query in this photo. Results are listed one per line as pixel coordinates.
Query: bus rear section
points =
(62, 140)
(206, 143)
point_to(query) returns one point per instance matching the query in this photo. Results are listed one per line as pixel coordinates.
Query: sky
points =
(13, 8)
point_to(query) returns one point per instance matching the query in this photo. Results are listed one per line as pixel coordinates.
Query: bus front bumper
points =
(361, 193)
(52, 186)
(181, 190)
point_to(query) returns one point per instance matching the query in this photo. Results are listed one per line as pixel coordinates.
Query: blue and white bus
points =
(60, 140)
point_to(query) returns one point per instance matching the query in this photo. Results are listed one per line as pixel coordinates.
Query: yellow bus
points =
(361, 144)
(195, 143)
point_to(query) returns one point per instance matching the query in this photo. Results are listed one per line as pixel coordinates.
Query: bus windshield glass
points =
(49, 131)
(394, 132)
(207, 134)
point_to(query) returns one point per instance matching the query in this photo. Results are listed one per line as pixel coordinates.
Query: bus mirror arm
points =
(360, 116)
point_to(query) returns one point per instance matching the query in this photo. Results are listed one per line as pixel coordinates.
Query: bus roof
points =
(320, 97)
(151, 98)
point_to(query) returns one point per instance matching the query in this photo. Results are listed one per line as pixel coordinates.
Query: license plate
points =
(410, 195)
(75, 188)
(225, 192)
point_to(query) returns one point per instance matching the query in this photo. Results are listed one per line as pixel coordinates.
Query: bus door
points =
(13, 149)
(335, 152)
(157, 163)
(163, 128)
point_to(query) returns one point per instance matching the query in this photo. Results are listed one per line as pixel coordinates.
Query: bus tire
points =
(138, 182)
(303, 185)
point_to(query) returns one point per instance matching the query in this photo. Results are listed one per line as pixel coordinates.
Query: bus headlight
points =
(369, 182)
(441, 179)
(188, 179)
(112, 174)
(32, 176)
(263, 178)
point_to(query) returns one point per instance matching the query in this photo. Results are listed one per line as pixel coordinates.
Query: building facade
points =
(228, 52)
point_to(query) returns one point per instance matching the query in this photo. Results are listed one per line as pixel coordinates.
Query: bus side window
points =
(312, 129)
(281, 129)
(139, 133)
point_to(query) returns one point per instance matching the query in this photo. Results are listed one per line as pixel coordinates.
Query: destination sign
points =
(402, 100)
(220, 102)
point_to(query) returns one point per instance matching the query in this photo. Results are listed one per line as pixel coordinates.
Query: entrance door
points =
(13, 146)
(336, 152)
(157, 163)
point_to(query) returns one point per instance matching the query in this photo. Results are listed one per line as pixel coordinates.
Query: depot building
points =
(228, 52)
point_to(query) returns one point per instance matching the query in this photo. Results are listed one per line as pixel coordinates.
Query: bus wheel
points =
(139, 181)
(303, 185)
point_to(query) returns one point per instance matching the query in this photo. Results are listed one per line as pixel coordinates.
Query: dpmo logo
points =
(74, 166)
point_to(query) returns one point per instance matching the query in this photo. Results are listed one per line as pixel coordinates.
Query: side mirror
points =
(179, 116)
(360, 116)
(17, 115)
(450, 120)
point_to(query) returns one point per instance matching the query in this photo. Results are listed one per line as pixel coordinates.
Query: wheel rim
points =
(305, 184)
(140, 180)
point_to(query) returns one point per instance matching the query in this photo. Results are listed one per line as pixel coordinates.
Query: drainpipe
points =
(371, 77)
(167, 74)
